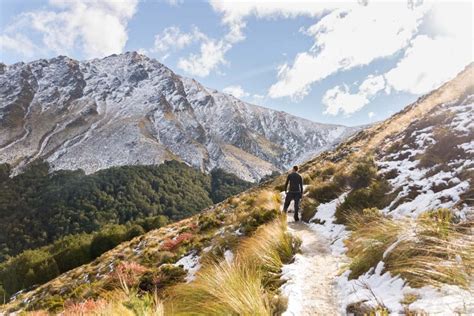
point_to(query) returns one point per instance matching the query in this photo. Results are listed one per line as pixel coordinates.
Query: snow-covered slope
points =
(425, 154)
(130, 109)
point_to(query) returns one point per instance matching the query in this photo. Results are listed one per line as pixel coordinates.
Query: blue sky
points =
(346, 63)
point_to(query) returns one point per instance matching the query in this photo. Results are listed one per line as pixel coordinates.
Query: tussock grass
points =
(267, 200)
(441, 252)
(308, 208)
(269, 249)
(247, 285)
(222, 289)
(371, 235)
(430, 250)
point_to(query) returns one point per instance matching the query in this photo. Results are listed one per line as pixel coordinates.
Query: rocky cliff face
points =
(130, 109)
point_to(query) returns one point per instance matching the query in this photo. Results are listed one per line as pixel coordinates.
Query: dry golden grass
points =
(222, 289)
(439, 252)
(431, 250)
(267, 200)
(244, 286)
(371, 235)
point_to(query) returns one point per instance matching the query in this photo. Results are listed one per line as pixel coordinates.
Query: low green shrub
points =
(164, 276)
(363, 174)
(325, 192)
(256, 218)
(52, 303)
(208, 221)
(226, 241)
(375, 195)
(134, 231)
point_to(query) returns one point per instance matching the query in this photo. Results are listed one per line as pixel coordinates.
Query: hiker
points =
(294, 192)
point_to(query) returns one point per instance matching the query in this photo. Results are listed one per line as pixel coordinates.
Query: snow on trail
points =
(311, 278)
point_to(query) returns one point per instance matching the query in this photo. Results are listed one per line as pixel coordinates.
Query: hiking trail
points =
(310, 285)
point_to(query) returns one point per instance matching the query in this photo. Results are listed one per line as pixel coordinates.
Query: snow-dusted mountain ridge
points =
(131, 109)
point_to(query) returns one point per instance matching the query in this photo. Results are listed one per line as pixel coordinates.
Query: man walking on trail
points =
(294, 192)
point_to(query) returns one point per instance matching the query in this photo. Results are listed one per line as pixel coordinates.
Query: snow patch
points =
(336, 233)
(191, 264)
(374, 288)
(378, 288)
(229, 256)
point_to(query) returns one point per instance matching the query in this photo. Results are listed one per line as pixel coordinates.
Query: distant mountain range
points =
(129, 109)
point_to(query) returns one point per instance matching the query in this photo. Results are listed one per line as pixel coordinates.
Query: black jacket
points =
(296, 183)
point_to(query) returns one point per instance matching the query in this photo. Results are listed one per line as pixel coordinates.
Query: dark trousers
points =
(292, 196)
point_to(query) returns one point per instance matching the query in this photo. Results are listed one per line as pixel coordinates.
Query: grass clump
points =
(308, 208)
(439, 252)
(371, 235)
(430, 250)
(375, 195)
(222, 289)
(325, 192)
(247, 285)
(120, 302)
(363, 173)
(261, 209)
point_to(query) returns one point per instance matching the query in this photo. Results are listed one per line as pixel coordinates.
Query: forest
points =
(53, 221)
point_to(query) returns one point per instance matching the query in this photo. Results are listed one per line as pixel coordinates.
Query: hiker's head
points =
(295, 168)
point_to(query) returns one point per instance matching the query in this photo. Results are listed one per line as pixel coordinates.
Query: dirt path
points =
(310, 278)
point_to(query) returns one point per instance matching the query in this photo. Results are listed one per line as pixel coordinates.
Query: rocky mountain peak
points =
(131, 109)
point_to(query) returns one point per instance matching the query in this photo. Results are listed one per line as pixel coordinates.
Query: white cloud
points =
(356, 34)
(429, 60)
(236, 91)
(211, 55)
(428, 63)
(339, 99)
(346, 38)
(234, 13)
(371, 115)
(172, 38)
(372, 85)
(98, 28)
(438, 56)
(174, 3)
(17, 43)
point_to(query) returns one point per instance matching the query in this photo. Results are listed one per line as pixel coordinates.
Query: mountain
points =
(129, 109)
(390, 215)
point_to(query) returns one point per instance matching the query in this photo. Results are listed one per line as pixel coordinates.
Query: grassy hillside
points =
(205, 239)
(68, 208)
(395, 201)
